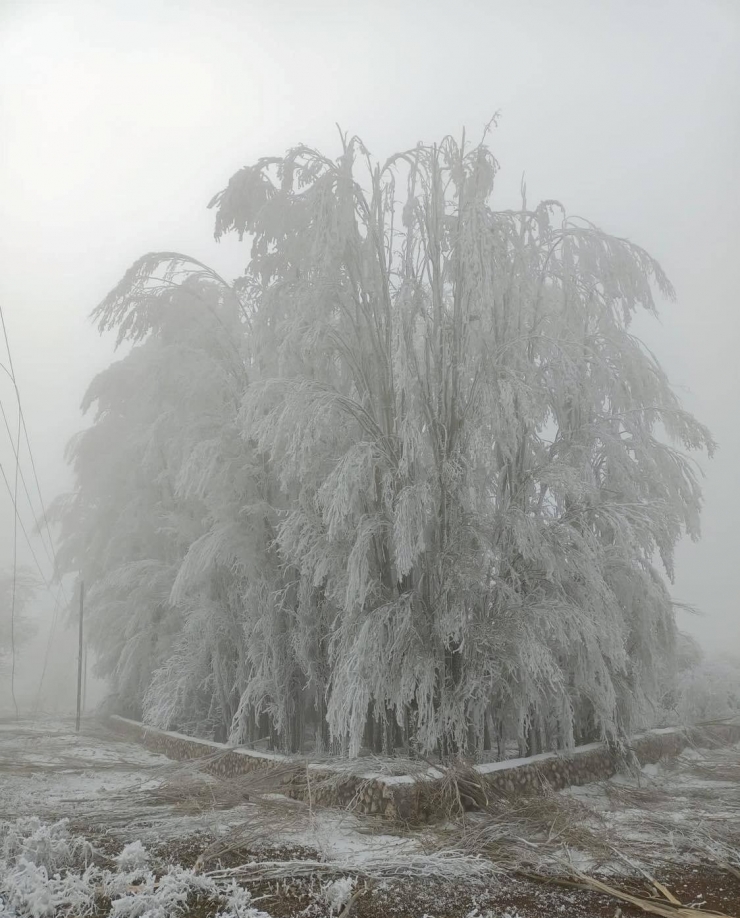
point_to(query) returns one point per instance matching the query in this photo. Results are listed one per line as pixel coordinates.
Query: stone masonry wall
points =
(419, 797)
(219, 759)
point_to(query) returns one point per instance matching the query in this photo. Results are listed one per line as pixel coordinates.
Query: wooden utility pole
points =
(79, 658)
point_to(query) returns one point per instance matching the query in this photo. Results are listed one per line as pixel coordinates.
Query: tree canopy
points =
(410, 480)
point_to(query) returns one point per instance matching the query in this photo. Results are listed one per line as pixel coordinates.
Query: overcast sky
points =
(119, 120)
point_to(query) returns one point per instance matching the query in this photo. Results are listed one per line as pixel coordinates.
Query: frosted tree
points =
(184, 599)
(411, 478)
(469, 434)
(128, 526)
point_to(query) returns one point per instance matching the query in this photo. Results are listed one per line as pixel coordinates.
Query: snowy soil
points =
(95, 825)
(680, 810)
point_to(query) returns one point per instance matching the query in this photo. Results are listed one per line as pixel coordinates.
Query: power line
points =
(17, 518)
(36, 479)
(22, 421)
(25, 488)
(16, 452)
(46, 582)
(15, 573)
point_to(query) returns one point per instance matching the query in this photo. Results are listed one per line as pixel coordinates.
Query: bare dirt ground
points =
(95, 825)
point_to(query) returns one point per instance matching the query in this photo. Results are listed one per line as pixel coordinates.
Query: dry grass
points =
(517, 832)
(665, 821)
(440, 866)
(461, 789)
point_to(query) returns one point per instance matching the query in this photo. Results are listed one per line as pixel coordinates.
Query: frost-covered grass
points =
(48, 770)
(679, 813)
(681, 810)
(84, 819)
(89, 823)
(46, 872)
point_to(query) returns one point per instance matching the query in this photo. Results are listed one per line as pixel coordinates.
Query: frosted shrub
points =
(337, 893)
(38, 879)
(30, 890)
(237, 903)
(169, 897)
(133, 857)
(47, 846)
(164, 899)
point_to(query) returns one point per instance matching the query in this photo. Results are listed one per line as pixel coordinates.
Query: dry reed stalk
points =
(671, 908)
(442, 865)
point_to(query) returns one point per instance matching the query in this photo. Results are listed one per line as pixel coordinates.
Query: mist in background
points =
(120, 121)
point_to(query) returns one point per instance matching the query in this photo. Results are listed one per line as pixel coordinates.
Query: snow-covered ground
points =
(66, 796)
(92, 824)
(681, 810)
(118, 788)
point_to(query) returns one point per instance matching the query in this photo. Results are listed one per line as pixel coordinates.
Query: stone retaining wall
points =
(219, 759)
(420, 797)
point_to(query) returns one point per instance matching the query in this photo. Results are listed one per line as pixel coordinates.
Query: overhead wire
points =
(25, 488)
(15, 574)
(17, 519)
(47, 584)
(38, 486)
(14, 497)
(22, 420)
(24, 530)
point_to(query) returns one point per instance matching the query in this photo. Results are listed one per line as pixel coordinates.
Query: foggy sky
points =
(119, 120)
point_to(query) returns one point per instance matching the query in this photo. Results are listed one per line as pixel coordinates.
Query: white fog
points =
(394, 464)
